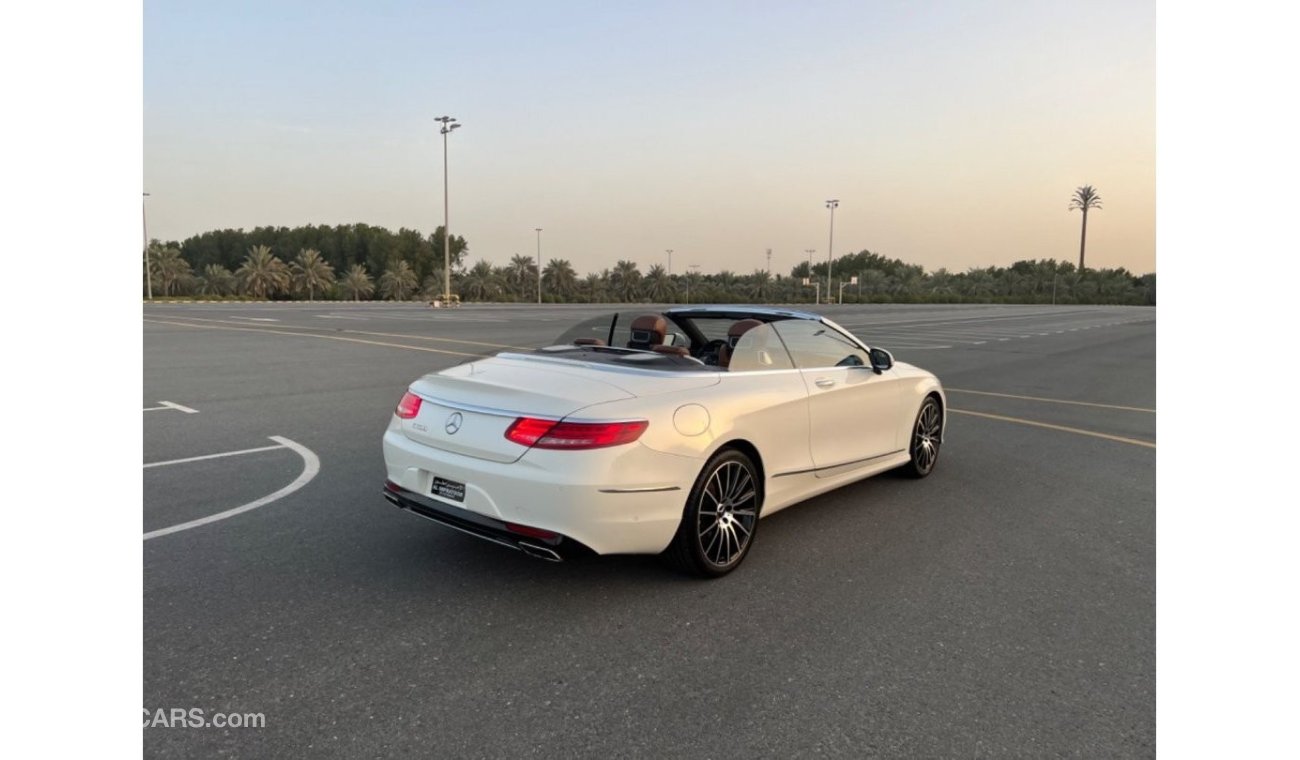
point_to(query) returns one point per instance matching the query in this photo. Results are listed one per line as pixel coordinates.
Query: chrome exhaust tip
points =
(539, 552)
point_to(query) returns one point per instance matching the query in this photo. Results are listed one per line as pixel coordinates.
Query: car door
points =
(853, 411)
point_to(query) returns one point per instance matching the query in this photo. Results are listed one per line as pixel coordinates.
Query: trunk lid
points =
(467, 409)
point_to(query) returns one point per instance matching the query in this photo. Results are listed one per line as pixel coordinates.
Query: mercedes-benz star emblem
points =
(453, 423)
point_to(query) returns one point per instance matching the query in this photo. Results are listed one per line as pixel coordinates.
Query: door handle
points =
(825, 382)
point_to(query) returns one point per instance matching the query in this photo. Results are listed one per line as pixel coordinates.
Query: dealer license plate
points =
(448, 489)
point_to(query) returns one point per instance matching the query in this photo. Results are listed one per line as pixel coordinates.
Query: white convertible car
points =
(667, 433)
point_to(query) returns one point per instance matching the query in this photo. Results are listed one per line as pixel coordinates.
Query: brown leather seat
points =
(733, 337)
(648, 331)
(672, 350)
(588, 342)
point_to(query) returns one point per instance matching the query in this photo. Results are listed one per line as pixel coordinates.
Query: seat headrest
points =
(740, 328)
(648, 330)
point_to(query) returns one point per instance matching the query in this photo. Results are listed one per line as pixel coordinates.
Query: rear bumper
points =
(555, 549)
(618, 500)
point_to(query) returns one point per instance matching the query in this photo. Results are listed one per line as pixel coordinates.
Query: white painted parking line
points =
(166, 405)
(212, 456)
(311, 466)
(257, 319)
(339, 316)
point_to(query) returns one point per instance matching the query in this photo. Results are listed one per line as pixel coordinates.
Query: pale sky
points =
(953, 133)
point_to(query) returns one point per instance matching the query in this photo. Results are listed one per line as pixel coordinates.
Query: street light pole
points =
(448, 124)
(691, 269)
(830, 251)
(669, 251)
(810, 252)
(148, 276)
(539, 265)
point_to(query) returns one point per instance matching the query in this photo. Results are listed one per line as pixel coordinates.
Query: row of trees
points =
(375, 265)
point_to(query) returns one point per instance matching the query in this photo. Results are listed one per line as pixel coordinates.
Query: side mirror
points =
(881, 360)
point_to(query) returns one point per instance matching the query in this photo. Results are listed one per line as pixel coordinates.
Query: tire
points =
(924, 442)
(711, 542)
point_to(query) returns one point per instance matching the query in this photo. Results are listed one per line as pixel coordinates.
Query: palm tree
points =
(559, 278)
(357, 282)
(595, 287)
(171, 271)
(1085, 198)
(311, 272)
(760, 285)
(523, 274)
(658, 286)
(216, 281)
(399, 282)
(431, 288)
(624, 280)
(480, 282)
(262, 274)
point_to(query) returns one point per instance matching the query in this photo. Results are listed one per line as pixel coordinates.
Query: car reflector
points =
(525, 530)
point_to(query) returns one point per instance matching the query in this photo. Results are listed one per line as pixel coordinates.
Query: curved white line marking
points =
(311, 466)
(222, 455)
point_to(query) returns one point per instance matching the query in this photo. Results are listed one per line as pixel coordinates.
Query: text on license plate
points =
(448, 489)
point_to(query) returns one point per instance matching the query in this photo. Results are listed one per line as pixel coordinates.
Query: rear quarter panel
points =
(768, 409)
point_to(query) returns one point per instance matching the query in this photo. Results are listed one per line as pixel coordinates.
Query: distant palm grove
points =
(358, 262)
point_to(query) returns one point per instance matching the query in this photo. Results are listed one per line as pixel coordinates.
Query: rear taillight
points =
(409, 406)
(549, 434)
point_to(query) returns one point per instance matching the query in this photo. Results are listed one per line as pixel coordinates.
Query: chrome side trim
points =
(649, 489)
(841, 464)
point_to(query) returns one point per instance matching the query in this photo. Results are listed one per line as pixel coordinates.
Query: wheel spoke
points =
(742, 482)
(708, 550)
(749, 512)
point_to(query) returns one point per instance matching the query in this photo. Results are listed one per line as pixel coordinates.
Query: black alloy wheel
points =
(720, 519)
(924, 446)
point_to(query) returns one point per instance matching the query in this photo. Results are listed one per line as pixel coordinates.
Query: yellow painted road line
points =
(1052, 400)
(364, 332)
(312, 335)
(1062, 428)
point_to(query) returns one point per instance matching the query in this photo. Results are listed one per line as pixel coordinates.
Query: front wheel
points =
(720, 518)
(924, 445)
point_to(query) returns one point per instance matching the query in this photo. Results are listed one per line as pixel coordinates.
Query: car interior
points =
(673, 339)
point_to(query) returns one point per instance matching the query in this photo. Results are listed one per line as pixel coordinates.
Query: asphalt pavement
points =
(1003, 607)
